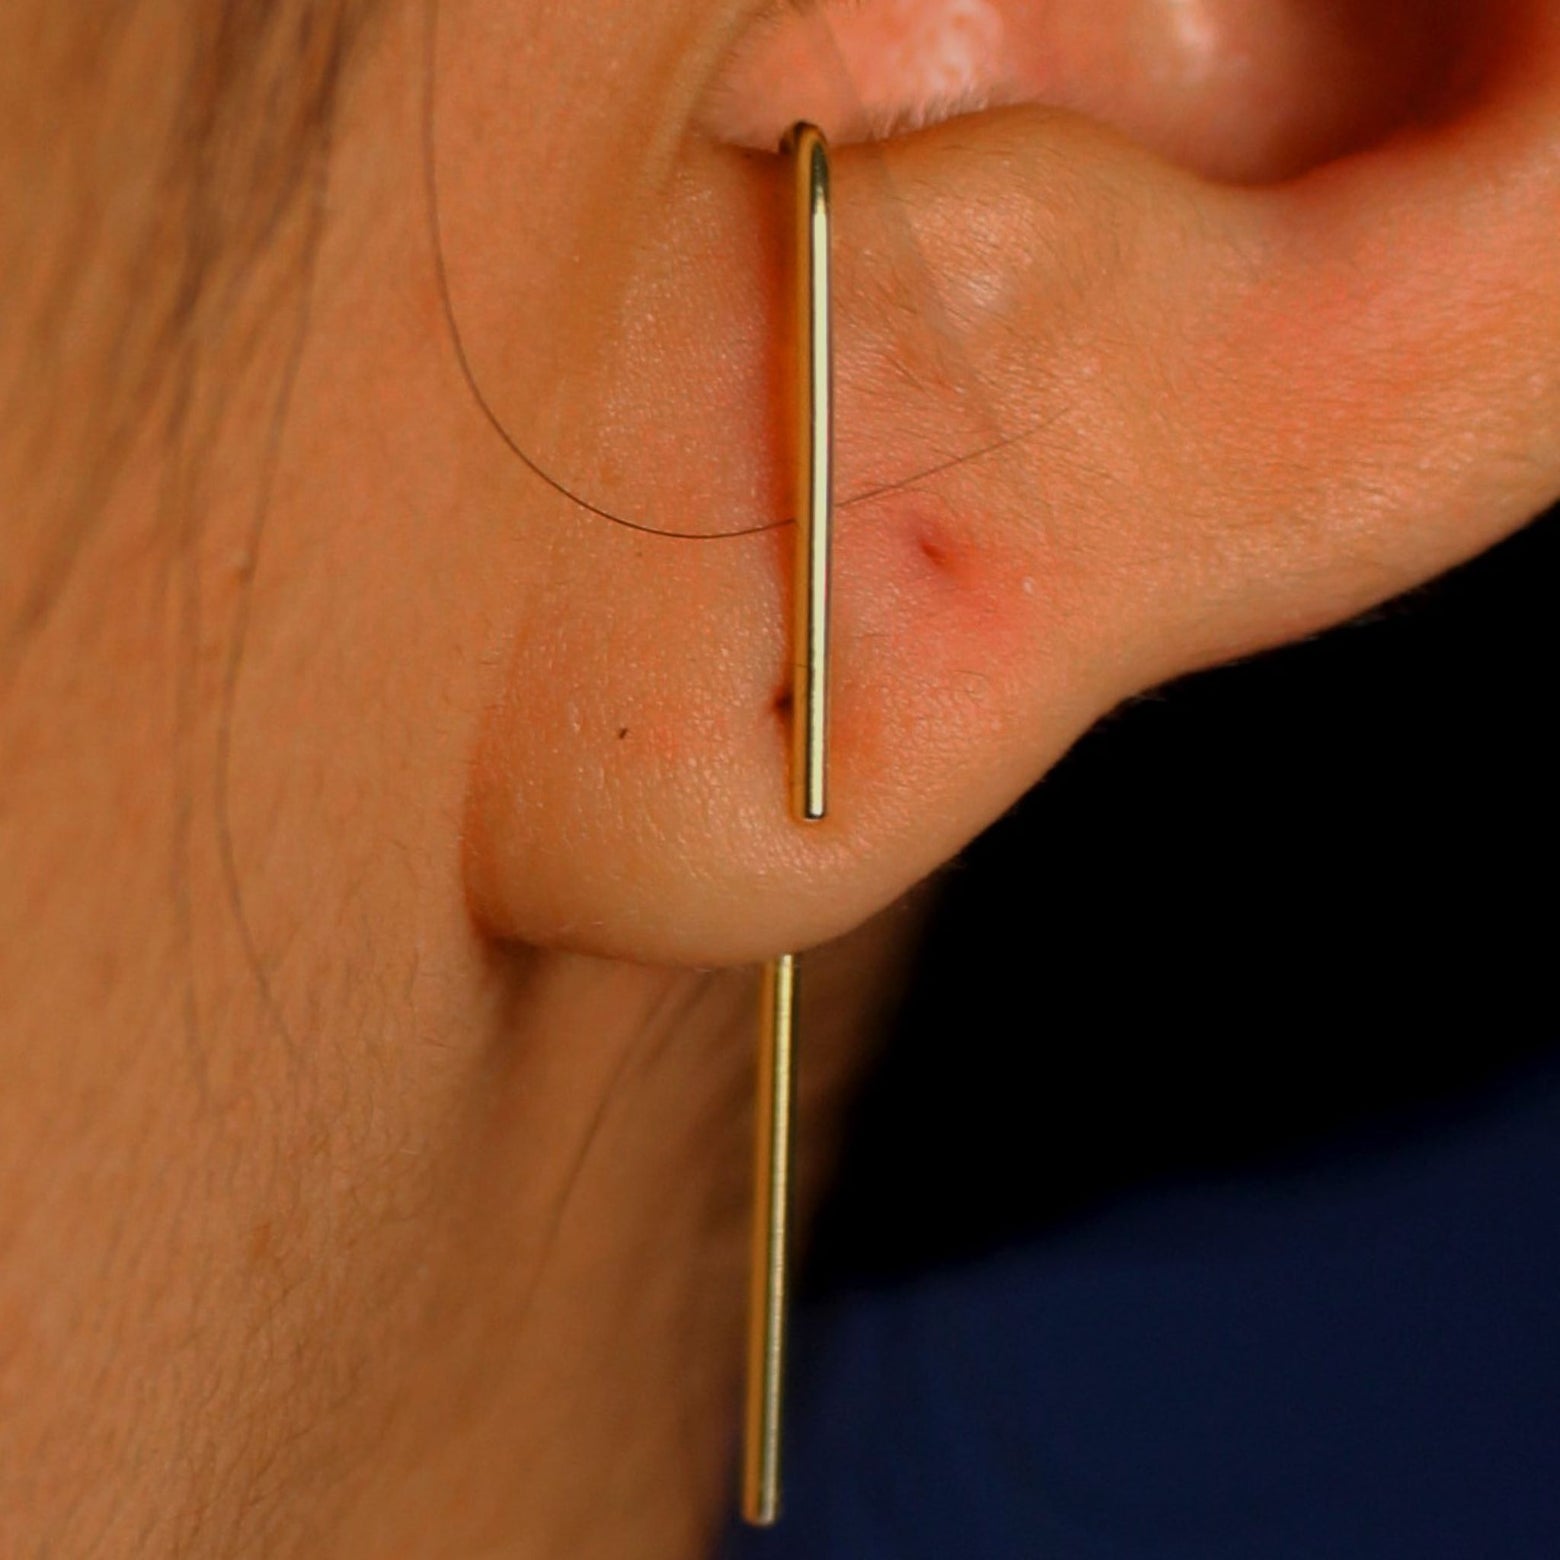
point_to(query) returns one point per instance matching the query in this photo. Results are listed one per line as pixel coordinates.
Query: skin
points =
(384, 838)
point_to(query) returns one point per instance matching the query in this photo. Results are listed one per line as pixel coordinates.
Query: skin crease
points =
(402, 1214)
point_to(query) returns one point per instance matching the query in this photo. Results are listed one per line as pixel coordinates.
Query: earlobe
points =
(1100, 422)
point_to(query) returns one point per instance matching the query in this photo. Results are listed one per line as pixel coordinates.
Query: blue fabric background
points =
(1353, 1358)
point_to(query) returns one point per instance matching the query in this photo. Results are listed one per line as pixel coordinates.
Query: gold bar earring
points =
(770, 1278)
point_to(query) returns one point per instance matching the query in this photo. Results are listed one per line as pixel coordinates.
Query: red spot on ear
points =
(936, 551)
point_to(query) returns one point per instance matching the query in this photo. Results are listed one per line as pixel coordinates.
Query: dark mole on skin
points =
(622, 732)
(782, 703)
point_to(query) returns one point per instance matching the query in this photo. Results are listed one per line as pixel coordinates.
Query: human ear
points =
(1102, 420)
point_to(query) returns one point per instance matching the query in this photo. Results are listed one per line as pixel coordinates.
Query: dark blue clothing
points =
(1354, 1358)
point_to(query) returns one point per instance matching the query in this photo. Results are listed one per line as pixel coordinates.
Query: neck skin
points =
(589, 1407)
(472, 1280)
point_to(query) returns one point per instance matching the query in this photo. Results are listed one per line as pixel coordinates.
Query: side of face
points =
(353, 744)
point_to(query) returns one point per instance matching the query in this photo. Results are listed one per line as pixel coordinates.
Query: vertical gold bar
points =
(815, 473)
(769, 1275)
(767, 1299)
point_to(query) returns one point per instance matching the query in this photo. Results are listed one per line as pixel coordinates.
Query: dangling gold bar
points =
(769, 1280)
(770, 1273)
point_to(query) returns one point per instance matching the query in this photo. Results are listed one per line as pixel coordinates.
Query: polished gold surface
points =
(815, 517)
(815, 472)
(814, 370)
(767, 1300)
